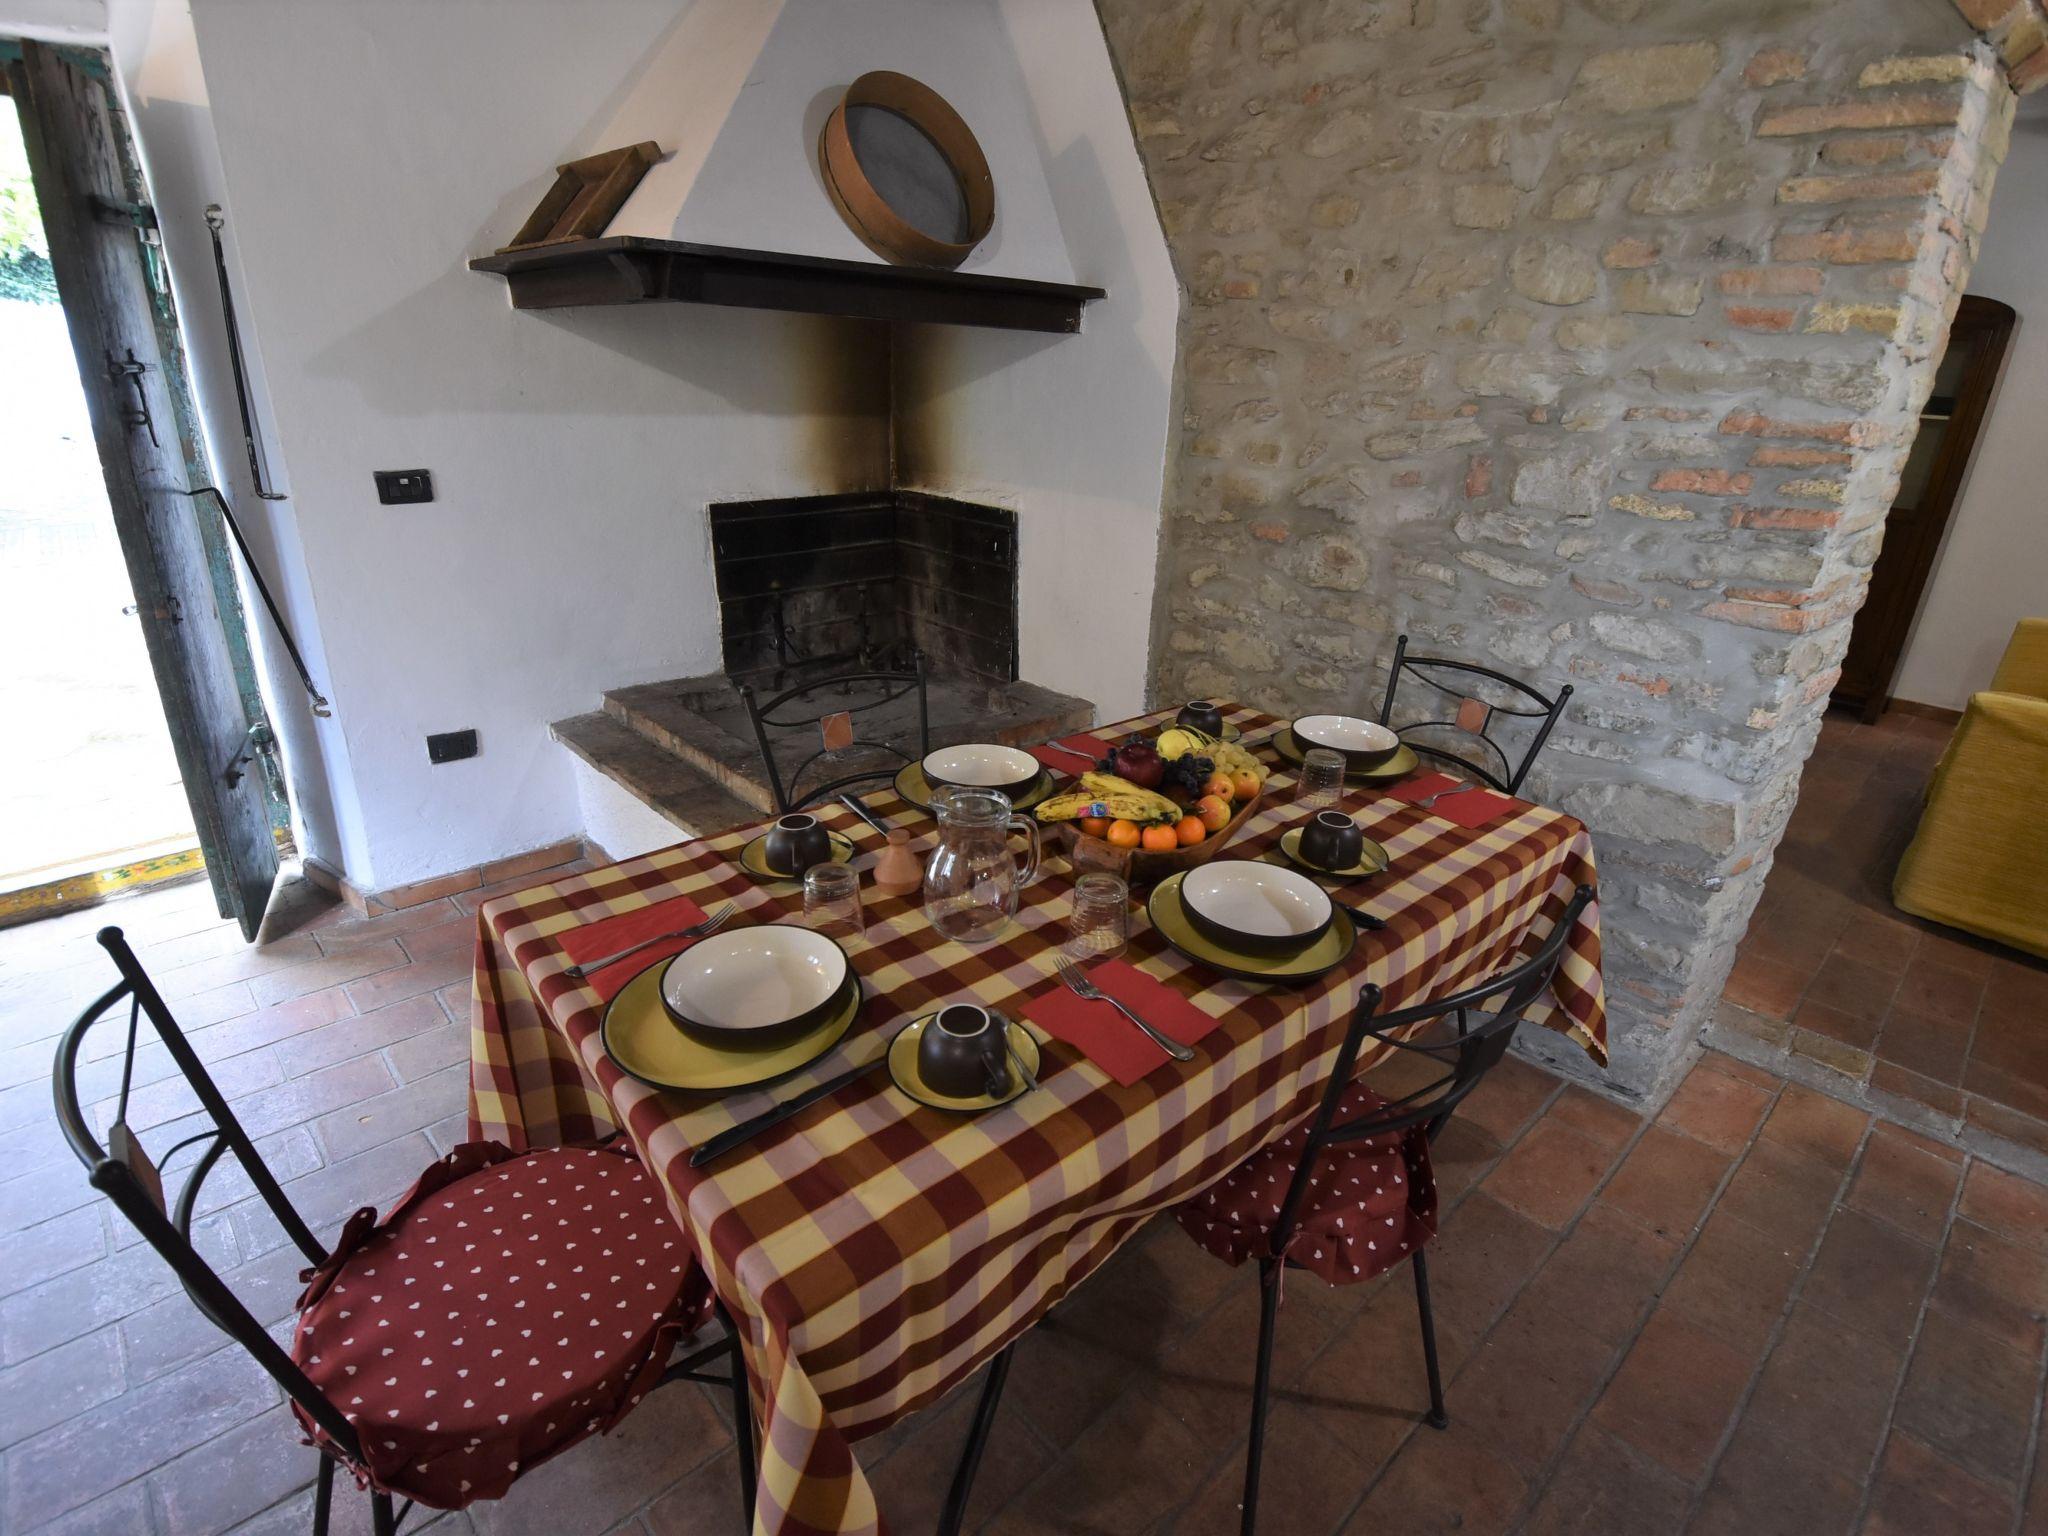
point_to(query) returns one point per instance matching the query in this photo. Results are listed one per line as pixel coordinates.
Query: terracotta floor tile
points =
(1925, 1043)
(1675, 1393)
(1878, 940)
(1765, 1488)
(1460, 1157)
(1307, 1483)
(1995, 1285)
(1595, 1116)
(1995, 1119)
(1734, 1282)
(911, 1484)
(1856, 1030)
(1550, 1173)
(1666, 1181)
(2014, 1207)
(2009, 1063)
(1527, 1385)
(1940, 991)
(1920, 1491)
(1900, 1182)
(1969, 1397)
(1600, 1276)
(1871, 1276)
(1081, 1357)
(1826, 1392)
(705, 1503)
(1769, 987)
(1853, 987)
(1369, 1388)
(1815, 1125)
(1507, 1099)
(1139, 1462)
(1783, 1194)
(1605, 1487)
(1712, 1107)
(1915, 1091)
(1443, 1482)
(1481, 1259)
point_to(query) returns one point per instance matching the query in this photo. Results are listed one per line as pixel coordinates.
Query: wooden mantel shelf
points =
(631, 269)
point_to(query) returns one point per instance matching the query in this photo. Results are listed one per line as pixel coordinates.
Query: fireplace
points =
(812, 585)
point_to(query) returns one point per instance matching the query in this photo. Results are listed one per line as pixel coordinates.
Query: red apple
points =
(1140, 762)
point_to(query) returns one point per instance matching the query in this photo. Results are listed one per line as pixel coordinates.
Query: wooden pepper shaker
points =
(898, 872)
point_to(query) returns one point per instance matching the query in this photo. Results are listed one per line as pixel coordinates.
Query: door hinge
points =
(131, 368)
(111, 211)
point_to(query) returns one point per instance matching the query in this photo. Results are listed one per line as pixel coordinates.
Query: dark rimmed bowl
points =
(1255, 908)
(1203, 716)
(982, 765)
(1365, 744)
(755, 987)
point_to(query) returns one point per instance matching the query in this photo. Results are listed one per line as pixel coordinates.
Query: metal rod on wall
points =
(320, 705)
(214, 223)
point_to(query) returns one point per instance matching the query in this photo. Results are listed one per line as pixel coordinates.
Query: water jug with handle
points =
(972, 879)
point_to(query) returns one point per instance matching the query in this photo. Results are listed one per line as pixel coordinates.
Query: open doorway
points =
(95, 791)
(91, 783)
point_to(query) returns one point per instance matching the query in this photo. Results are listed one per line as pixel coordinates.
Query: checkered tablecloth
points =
(875, 1252)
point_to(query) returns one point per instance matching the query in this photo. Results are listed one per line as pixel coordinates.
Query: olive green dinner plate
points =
(1171, 919)
(639, 1036)
(904, 1071)
(754, 857)
(1404, 761)
(1373, 860)
(913, 786)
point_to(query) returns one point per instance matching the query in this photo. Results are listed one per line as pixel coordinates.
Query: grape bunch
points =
(1187, 773)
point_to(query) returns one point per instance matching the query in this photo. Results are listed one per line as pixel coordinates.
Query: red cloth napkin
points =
(1467, 808)
(1066, 762)
(1105, 1036)
(607, 936)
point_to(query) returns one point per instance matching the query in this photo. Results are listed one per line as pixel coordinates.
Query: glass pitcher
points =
(972, 879)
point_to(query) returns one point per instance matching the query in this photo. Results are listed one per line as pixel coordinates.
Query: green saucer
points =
(913, 786)
(754, 857)
(1171, 919)
(1371, 862)
(643, 1041)
(903, 1069)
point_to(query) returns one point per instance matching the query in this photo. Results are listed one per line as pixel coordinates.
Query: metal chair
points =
(1351, 1116)
(1475, 717)
(889, 686)
(134, 1181)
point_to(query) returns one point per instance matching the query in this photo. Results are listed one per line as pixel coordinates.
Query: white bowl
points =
(982, 765)
(1364, 743)
(1243, 904)
(755, 985)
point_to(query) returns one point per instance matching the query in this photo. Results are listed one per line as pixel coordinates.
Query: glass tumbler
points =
(832, 901)
(1101, 920)
(1321, 781)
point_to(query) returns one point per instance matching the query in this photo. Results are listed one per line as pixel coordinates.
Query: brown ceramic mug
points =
(795, 843)
(963, 1053)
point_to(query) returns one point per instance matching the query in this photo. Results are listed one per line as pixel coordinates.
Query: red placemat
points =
(1105, 1036)
(1467, 808)
(1066, 762)
(593, 941)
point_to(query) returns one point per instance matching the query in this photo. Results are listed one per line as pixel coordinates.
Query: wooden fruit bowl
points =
(1136, 865)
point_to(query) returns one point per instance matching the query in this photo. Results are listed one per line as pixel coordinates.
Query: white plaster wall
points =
(58, 21)
(1070, 431)
(1992, 570)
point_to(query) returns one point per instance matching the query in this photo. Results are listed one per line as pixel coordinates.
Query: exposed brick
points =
(1836, 319)
(1849, 246)
(1704, 482)
(1800, 519)
(1798, 458)
(1868, 149)
(1754, 317)
(1774, 66)
(1770, 281)
(1843, 189)
(1754, 424)
(1932, 110)
(1631, 252)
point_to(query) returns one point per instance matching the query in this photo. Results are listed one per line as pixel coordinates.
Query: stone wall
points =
(1582, 337)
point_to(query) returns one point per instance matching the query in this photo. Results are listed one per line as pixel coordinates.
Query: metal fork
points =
(713, 921)
(1082, 987)
(1455, 789)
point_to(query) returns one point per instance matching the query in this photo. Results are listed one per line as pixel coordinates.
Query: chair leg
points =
(1262, 1380)
(977, 1440)
(382, 1521)
(323, 1496)
(742, 1416)
(1438, 1419)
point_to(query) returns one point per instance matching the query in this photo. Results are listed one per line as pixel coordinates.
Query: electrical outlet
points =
(451, 746)
(397, 486)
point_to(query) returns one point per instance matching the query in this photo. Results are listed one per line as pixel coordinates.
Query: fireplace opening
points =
(813, 585)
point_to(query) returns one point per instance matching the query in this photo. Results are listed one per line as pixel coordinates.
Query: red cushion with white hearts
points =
(1369, 1203)
(508, 1306)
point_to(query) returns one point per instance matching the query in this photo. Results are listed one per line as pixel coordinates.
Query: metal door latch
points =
(168, 611)
(132, 369)
(256, 742)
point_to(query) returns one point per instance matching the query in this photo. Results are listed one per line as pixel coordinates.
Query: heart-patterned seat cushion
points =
(506, 1307)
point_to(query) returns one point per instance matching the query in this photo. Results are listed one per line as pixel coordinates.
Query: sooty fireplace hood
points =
(636, 269)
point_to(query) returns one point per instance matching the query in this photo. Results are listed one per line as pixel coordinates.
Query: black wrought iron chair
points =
(1363, 1160)
(1474, 717)
(134, 1181)
(808, 706)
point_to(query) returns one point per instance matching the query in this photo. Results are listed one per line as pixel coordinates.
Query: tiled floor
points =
(1912, 1018)
(1762, 1312)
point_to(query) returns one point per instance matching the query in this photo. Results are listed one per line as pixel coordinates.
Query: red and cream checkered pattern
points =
(874, 1252)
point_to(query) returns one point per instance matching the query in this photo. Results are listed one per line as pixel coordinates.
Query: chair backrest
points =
(1466, 1054)
(808, 706)
(134, 1181)
(1472, 717)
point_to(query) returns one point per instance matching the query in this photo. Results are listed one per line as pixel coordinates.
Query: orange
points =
(1191, 830)
(1245, 785)
(1214, 811)
(1124, 834)
(1161, 839)
(1094, 826)
(1220, 785)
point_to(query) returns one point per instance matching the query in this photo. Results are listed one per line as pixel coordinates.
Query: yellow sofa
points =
(1979, 860)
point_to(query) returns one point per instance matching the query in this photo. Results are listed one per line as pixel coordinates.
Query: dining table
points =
(873, 1251)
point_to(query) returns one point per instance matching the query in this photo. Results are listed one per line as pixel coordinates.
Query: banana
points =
(1104, 794)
